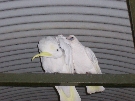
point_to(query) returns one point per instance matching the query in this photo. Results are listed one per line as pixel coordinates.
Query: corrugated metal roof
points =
(102, 25)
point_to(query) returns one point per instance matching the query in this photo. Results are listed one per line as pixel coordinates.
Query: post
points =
(131, 10)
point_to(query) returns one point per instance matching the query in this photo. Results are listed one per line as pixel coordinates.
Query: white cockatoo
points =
(53, 61)
(83, 59)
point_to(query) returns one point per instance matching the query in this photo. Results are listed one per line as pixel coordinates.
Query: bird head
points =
(72, 39)
(49, 47)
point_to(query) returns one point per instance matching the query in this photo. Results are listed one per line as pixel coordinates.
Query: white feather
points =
(84, 61)
(57, 63)
(93, 58)
(64, 44)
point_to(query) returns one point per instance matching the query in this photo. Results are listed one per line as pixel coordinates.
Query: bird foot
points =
(87, 73)
(55, 72)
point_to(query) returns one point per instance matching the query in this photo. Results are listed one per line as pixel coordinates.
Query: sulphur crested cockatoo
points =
(84, 60)
(53, 61)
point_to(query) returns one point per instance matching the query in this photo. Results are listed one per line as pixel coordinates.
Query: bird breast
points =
(52, 65)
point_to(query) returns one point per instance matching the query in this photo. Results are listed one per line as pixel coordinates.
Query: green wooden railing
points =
(45, 79)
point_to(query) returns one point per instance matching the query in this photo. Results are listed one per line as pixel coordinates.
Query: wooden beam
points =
(40, 80)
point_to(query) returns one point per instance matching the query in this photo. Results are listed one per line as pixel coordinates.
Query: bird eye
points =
(57, 50)
(72, 38)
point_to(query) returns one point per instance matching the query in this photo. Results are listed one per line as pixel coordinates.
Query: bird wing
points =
(64, 44)
(93, 58)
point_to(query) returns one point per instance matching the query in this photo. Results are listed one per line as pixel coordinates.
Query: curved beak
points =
(41, 54)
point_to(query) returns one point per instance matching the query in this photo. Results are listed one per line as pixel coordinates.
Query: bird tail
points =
(68, 93)
(93, 89)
